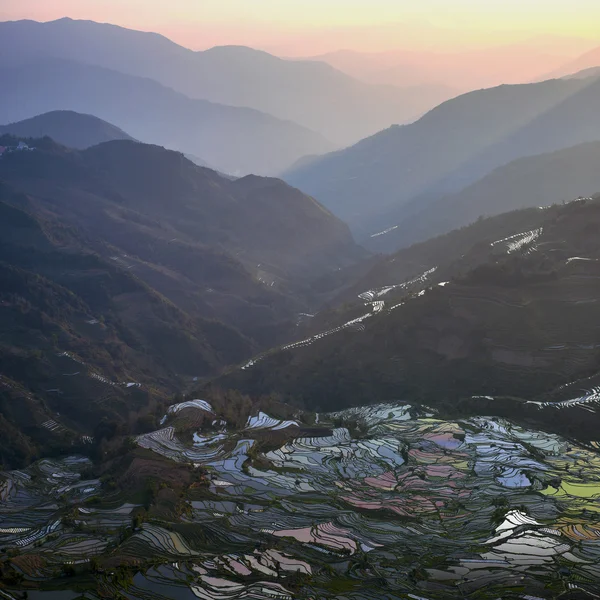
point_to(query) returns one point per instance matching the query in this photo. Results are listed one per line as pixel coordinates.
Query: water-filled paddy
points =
(401, 507)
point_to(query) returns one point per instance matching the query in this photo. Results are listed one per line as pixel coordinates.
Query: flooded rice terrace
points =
(392, 506)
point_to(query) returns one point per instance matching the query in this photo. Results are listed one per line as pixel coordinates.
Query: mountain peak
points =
(67, 127)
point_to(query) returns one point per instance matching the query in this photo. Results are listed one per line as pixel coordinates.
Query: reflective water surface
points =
(400, 506)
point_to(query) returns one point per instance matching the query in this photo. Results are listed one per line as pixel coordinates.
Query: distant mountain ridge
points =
(233, 140)
(68, 128)
(586, 73)
(310, 93)
(586, 61)
(532, 181)
(466, 70)
(385, 179)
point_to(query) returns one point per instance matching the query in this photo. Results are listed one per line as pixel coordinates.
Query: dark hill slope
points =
(68, 128)
(127, 264)
(527, 182)
(76, 329)
(452, 254)
(242, 251)
(390, 278)
(519, 323)
(265, 218)
(386, 178)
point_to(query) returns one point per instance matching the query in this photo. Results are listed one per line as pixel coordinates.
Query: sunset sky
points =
(305, 27)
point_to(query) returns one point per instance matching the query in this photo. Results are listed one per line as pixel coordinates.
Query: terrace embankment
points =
(382, 500)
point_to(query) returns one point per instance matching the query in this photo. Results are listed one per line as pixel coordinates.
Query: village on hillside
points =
(22, 146)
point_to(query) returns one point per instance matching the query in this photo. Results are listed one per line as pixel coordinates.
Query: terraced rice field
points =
(88, 371)
(518, 241)
(372, 301)
(407, 506)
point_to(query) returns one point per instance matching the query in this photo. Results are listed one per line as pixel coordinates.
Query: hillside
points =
(244, 251)
(310, 93)
(68, 128)
(452, 254)
(233, 140)
(82, 339)
(384, 179)
(509, 318)
(126, 263)
(385, 500)
(229, 492)
(527, 182)
(586, 73)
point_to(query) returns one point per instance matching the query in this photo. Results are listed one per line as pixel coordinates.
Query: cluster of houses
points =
(22, 146)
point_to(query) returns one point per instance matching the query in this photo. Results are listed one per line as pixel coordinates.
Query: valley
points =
(103, 287)
(413, 181)
(276, 327)
(398, 436)
(483, 320)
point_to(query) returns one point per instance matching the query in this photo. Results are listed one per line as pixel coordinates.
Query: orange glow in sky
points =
(305, 27)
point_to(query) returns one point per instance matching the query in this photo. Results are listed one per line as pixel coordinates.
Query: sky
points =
(310, 27)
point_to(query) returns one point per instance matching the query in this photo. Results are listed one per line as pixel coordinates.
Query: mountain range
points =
(68, 128)
(466, 70)
(533, 181)
(383, 180)
(242, 264)
(310, 93)
(209, 389)
(233, 140)
(124, 254)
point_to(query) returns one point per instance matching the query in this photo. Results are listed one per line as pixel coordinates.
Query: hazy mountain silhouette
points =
(233, 140)
(533, 181)
(310, 93)
(585, 74)
(386, 178)
(467, 70)
(586, 61)
(68, 128)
